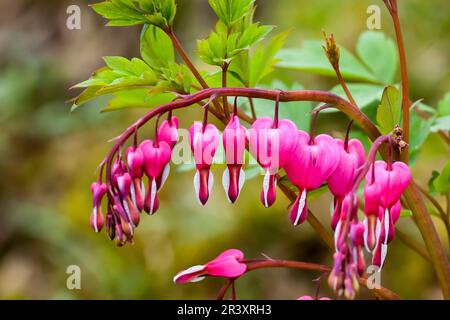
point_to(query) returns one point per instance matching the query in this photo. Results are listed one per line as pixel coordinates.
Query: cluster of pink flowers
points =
(309, 161)
(127, 195)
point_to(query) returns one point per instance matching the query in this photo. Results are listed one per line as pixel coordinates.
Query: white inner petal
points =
(153, 191)
(378, 229)
(266, 184)
(189, 271)
(336, 234)
(366, 234)
(165, 175)
(301, 206)
(210, 182)
(197, 186)
(241, 180)
(226, 182)
(386, 226)
(95, 213)
(133, 193)
(127, 210)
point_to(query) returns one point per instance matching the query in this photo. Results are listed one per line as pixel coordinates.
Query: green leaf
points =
(132, 12)
(298, 111)
(137, 98)
(156, 47)
(310, 58)
(231, 11)
(222, 46)
(444, 105)
(442, 182)
(389, 111)
(380, 55)
(119, 74)
(176, 77)
(251, 68)
(251, 35)
(364, 94)
(441, 123)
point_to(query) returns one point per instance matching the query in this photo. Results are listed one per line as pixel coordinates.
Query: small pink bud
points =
(98, 192)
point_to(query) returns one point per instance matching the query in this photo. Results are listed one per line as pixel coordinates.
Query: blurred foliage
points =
(49, 155)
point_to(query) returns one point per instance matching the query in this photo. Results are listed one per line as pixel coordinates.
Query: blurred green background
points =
(49, 156)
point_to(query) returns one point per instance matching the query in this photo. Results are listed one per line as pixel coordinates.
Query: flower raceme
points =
(309, 162)
(228, 264)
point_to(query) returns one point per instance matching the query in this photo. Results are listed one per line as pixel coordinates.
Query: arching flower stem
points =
(382, 293)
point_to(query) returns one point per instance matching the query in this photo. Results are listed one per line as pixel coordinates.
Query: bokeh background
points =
(48, 158)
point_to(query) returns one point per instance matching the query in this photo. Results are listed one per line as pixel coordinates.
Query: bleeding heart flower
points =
(156, 159)
(371, 211)
(310, 165)
(228, 265)
(135, 160)
(98, 192)
(124, 184)
(168, 131)
(204, 143)
(385, 184)
(272, 147)
(341, 181)
(234, 140)
(392, 180)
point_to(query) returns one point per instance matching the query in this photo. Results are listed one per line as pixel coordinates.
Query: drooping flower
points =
(371, 211)
(135, 160)
(156, 158)
(340, 182)
(168, 131)
(204, 141)
(385, 184)
(392, 179)
(272, 144)
(310, 165)
(234, 140)
(98, 192)
(228, 265)
(125, 185)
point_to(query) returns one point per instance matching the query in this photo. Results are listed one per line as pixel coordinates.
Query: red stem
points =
(301, 95)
